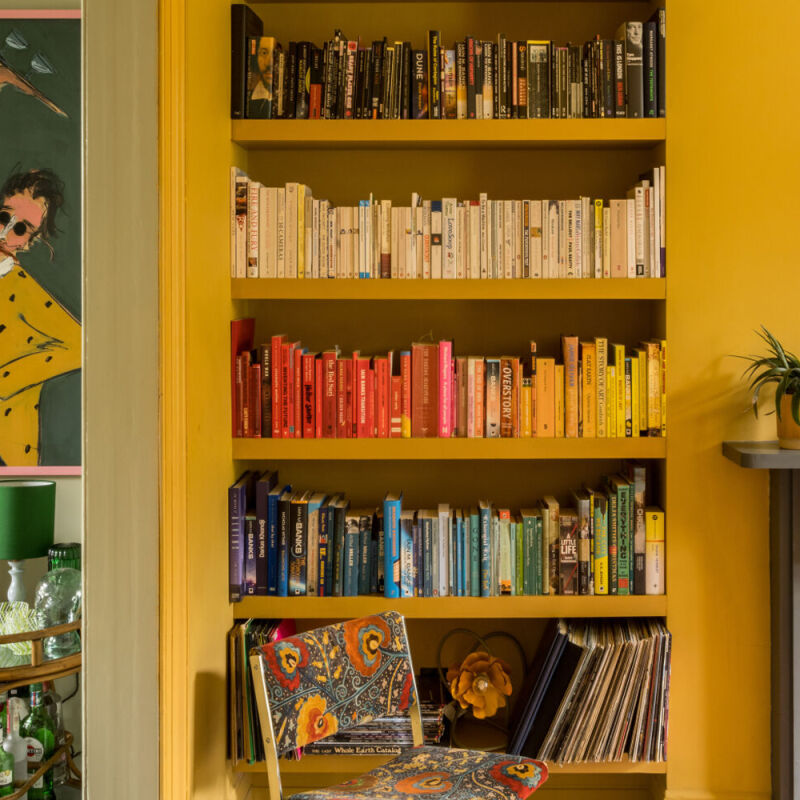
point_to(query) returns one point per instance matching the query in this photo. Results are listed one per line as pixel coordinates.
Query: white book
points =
(526, 239)
(587, 243)
(341, 241)
(639, 228)
(483, 233)
(444, 549)
(361, 265)
(646, 196)
(280, 255)
(253, 216)
(267, 243)
(315, 238)
(662, 229)
(536, 238)
(606, 242)
(449, 236)
(552, 238)
(570, 238)
(508, 239)
(377, 227)
(474, 240)
(302, 193)
(308, 271)
(419, 233)
(426, 239)
(562, 239)
(436, 239)
(291, 230)
(499, 210)
(653, 250)
(411, 237)
(518, 237)
(386, 239)
(630, 223)
(352, 266)
(240, 270)
(545, 238)
(598, 238)
(462, 247)
(492, 237)
(235, 173)
(394, 249)
(333, 239)
(324, 208)
(656, 273)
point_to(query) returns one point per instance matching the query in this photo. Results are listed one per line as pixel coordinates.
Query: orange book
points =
(569, 345)
(533, 388)
(558, 380)
(525, 428)
(545, 397)
(588, 389)
(480, 397)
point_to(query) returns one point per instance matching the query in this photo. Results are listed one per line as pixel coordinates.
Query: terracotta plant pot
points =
(788, 429)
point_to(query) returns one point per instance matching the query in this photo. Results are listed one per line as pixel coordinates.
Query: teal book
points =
(485, 511)
(407, 554)
(351, 554)
(392, 508)
(528, 550)
(475, 552)
(519, 552)
(538, 565)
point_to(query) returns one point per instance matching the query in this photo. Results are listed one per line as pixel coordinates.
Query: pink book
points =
(445, 389)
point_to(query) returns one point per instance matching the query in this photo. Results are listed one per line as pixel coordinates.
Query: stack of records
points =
(597, 691)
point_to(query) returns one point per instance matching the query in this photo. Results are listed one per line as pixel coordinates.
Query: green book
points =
(519, 572)
(621, 492)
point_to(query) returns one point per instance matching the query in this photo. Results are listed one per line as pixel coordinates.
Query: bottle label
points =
(6, 777)
(35, 756)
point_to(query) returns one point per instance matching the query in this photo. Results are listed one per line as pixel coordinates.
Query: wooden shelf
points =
(493, 134)
(445, 449)
(337, 765)
(348, 289)
(540, 607)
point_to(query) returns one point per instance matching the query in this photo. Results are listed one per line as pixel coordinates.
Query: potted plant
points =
(782, 368)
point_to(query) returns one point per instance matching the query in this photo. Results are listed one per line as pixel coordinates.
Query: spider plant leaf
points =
(777, 348)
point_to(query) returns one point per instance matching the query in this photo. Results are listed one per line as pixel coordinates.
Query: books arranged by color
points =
(598, 389)
(290, 542)
(472, 78)
(244, 727)
(597, 691)
(286, 232)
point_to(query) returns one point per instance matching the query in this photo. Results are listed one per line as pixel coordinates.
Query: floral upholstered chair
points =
(314, 684)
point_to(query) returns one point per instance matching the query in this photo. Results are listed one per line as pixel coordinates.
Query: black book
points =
(559, 660)
(284, 525)
(298, 545)
(649, 71)
(329, 79)
(539, 80)
(341, 88)
(316, 76)
(301, 90)
(419, 93)
(522, 80)
(586, 78)
(660, 18)
(470, 76)
(366, 87)
(509, 48)
(434, 74)
(358, 84)
(291, 81)
(480, 77)
(245, 23)
(501, 89)
(405, 92)
(386, 82)
(340, 506)
(620, 105)
(630, 34)
(609, 102)
(378, 49)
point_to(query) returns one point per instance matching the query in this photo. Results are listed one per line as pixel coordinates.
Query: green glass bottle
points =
(39, 732)
(6, 770)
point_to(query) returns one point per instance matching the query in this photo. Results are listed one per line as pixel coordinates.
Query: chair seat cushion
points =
(444, 774)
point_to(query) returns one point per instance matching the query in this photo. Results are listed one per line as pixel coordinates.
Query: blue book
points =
(379, 559)
(298, 545)
(392, 509)
(350, 554)
(264, 485)
(475, 552)
(237, 507)
(364, 560)
(407, 554)
(340, 506)
(313, 543)
(325, 547)
(427, 521)
(485, 511)
(419, 571)
(277, 574)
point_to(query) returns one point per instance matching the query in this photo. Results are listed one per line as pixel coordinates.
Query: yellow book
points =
(619, 370)
(525, 409)
(559, 392)
(663, 343)
(635, 396)
(301, 230)
(641, 356)
(588, 390)
(601, 352)
(611, 402)
(655, 551)
(653, 357)
(600, 542)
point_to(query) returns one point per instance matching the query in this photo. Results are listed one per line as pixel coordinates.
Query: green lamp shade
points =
(27, 518)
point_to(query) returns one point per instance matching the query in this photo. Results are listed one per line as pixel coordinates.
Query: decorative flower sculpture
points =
(482, 682)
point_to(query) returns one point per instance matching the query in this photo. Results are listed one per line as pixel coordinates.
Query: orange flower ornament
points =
(313, 722)
(481, 682)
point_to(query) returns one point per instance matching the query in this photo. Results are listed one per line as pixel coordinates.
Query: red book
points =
(309, 394)
(405, 397)
(460, 405)
(286, 388)
(381, 366)
(297, 393)
(516, 397)
(276, 345)
(349, 402)
(397, 406)
(242, 332)
(445, 387)
(329, 395)
(343, 426)
(361, 398)
(254, 396)
(371, 403)
(569, 345)
(320, 393)
(353, 416)
(424, 390)
(242, 389)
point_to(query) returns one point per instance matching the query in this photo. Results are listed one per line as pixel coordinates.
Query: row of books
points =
(601, 390)
(473, 78)
(285, 232)
(289, 542)
(597, 691)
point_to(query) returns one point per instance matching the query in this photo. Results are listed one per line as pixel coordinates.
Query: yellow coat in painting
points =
(39, 339)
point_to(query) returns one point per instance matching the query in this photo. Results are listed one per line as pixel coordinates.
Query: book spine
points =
(236, 513)
(506, 398)
(655, 554)
(272, 544)
(319, 393)
(492, 426)
(613, 543)
(571, 411)
(406, 557)
(559, 390)
(339, 560)
(298, 548)
(250, 547)
(637, 476)
(568, 552)
(323, 553)
(262, 536)
(649, 71)
(623, 540)
(405, 396)
(485, 550)
(445, 389)
(434, 74)
(584, 554)
(350, 557)
(364, 562)
(284, 537)
(309, 395)
(419, 93)
(601, 379)
(391, 547)
(312, 550)
(601, 546)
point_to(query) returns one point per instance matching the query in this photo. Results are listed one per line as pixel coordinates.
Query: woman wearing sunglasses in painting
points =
(39, 338)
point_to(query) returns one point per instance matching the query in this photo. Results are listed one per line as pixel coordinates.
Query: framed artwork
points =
(40, 242)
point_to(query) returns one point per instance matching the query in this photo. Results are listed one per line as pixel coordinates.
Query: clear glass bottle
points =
(6, 770)
(52, 702)
(14, 743)
(58, 601)
(39, 732)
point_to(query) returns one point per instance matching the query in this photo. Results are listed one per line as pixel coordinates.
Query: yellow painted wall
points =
(732, 178)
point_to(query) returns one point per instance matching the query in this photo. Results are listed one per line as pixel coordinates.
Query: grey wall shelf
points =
(784, 576)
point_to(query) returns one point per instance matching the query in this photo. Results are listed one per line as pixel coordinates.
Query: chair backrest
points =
(330, 679)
